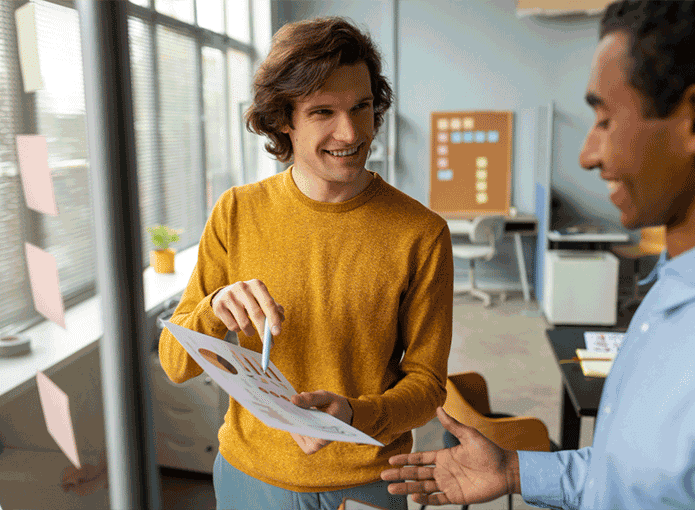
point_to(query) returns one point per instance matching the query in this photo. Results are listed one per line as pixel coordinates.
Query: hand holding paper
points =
(238, 371)
(325, 401)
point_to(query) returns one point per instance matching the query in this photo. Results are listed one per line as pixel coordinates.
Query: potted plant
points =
(162, 257)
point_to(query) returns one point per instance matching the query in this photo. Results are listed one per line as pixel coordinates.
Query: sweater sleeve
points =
(194, 311)
(425, 324)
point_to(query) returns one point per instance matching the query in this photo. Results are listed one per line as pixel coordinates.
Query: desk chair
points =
(484, 233)
(467, 401)
(652, 242)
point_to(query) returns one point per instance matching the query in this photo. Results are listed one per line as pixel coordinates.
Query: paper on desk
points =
(595, 368)
(56, 412)
(601, 341)
(238, 371)
(45, 287)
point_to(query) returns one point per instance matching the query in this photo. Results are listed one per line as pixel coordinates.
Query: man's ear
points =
(689, 100)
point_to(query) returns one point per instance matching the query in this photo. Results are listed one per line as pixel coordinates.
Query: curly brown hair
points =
(302, 57)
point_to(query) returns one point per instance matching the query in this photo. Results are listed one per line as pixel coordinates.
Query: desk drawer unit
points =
(187, 418)
(581, 287)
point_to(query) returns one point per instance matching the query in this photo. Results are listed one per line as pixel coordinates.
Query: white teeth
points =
(343, 153)
(612, 185)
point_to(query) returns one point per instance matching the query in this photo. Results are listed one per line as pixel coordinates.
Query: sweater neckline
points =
(330, 207)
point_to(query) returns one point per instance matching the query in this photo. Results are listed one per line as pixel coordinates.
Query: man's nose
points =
(345, 130)
(589, 155)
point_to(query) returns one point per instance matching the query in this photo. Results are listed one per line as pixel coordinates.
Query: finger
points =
(268, 307)
(425, 487)
(227, 318)
(409, 473)
(308, 399)
(246, 309)
(415, 458)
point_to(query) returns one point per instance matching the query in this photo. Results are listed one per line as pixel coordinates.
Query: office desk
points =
(589, 240)
(581, 395)
(519, 225)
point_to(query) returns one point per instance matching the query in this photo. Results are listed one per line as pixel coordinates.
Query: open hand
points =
(243, 305)
(331, 403)
(475, 471)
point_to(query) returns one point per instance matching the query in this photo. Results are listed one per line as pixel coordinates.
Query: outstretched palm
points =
(474, 472)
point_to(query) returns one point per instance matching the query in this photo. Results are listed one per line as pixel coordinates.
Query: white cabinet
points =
(581, 287)
(187, 418)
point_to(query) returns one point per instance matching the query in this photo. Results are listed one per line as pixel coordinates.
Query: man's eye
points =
(322, 112)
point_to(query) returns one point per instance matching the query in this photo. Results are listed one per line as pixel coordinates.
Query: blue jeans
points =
(235, 490)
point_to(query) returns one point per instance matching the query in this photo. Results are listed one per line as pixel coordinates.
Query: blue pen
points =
(267, 344)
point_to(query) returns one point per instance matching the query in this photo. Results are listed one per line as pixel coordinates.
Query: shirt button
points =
(607, 409)
(645, 327)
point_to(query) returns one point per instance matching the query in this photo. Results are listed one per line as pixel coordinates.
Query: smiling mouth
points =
(345, 153)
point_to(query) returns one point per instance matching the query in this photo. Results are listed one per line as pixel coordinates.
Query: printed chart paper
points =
(45, 288)
(56, 412)
(598, 341)
(238, 371)
(32, 153)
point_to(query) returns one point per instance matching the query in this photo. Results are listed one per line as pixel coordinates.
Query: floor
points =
(505, 343)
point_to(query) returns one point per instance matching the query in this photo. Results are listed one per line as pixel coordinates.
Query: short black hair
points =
(662, 46)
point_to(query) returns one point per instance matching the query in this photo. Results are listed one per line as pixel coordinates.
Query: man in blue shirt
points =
(642, 91)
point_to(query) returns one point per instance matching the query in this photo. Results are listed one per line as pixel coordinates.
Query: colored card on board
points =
(56, 412)
(32, 153)
(27, 44)
(45, 287)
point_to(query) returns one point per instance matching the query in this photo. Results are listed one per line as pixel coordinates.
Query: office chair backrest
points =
(487, 230)
(653, 239)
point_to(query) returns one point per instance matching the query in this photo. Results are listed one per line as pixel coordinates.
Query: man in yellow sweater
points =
(355, 277)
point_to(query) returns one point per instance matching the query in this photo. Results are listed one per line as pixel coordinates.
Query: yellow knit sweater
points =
(367, 287)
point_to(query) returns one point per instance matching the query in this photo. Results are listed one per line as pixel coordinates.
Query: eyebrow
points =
(594, 100)
(321, 106)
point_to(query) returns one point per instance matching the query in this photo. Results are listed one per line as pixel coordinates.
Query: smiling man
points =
(355, 277)
(642, 91)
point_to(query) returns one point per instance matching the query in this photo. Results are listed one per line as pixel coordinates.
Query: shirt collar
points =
(678, 278)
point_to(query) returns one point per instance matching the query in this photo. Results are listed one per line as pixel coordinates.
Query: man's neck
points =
(332, 192)
(681, 238)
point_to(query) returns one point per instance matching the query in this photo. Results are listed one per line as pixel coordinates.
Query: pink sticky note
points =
(56, 412)
(45, 288)
(32, 153)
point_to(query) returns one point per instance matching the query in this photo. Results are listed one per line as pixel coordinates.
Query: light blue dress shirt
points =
(643, 453)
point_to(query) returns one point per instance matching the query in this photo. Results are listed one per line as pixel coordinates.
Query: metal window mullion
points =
(159, 205)
(133, 476)
(201, 131)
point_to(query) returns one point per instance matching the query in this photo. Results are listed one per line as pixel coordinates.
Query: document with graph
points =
(267, 396)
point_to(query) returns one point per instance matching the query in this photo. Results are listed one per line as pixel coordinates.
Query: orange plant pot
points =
(162, 260)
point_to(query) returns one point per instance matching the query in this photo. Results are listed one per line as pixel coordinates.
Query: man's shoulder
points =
(408, 209)
(253, 192)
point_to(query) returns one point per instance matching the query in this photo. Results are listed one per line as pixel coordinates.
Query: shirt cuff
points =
(540, 474)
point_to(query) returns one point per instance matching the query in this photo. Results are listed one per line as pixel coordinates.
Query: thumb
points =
(309, 399)
(449, 423)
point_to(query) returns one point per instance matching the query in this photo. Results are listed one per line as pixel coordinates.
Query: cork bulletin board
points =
(470, 163)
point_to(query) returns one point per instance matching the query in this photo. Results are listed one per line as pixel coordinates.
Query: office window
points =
(15, 297)
(216, 136)
(179, 9)
(211, 15)
(188, 84)
(182, 180)
(238, 21)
